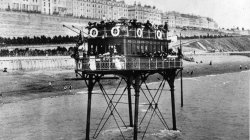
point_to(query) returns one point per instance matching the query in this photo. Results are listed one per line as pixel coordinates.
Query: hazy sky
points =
(227, 13)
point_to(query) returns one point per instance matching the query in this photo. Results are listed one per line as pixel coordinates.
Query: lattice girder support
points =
(129, 83)
(134, 79)
(90, 84)
(170, 76)
(137, 94)
(111, 107)
(153, 103)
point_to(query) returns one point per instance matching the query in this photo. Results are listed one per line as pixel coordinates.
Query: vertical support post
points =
(181, 73)
(173, 104)
(181, 89)
(130, 102)
(135, 32)
(139, 63)
(170, 77)
(125, 65)
(156, 63)
(149, 63)
(127, 32)
(90, 88)
(137, 90)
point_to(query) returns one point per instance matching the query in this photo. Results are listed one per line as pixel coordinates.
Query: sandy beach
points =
(26, 85)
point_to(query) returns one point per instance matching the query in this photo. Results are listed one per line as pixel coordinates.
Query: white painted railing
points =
(36, 63)
(128, 63)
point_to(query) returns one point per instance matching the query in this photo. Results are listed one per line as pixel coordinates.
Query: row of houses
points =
(109, 10)
(176, 19)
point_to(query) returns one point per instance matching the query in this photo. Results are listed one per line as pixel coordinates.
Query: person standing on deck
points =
(75, 54)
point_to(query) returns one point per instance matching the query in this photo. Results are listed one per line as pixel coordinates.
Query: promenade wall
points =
(36, 63)
(16, 24)
(66, 62)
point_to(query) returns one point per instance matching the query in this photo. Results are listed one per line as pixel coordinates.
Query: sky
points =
(227, 13)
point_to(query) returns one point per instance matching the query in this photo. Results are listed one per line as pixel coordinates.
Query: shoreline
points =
(215, 107)
(21, 85)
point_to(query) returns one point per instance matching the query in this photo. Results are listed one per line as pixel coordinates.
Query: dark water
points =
(215, 108)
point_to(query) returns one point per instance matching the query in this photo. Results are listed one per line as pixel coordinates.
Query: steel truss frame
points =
(134, 80)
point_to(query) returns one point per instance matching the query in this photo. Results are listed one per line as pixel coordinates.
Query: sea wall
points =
(16, 24)
(39, 47)
(246, 53)
(36, 63)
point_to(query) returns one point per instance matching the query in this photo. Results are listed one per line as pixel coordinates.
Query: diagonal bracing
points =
(112, 108)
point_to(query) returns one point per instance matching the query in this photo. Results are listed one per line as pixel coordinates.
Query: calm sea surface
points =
(216, 107)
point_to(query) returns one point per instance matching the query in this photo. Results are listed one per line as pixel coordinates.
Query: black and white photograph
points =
(124, 69)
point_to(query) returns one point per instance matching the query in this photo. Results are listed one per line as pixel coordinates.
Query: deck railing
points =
(131, 33)
(128, 63)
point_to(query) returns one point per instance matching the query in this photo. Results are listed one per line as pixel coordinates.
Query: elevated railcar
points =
(132, 51)
(128, 46)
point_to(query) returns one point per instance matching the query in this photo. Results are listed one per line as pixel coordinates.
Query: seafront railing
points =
(36, 63)
(128, 63)
(244, 53)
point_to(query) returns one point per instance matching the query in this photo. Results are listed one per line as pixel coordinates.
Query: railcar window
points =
(145, 33)
(138, 48)
(101, 49)
(162, 47)
(115, 49)
(146, 48)
(138, 51)
(111, 49)
(129, 47)
(142, 47)
(166, 46)
(133, 47)
(106, 48)
(118, 48)
(148, 34)
(164, 35)
(153, 47)
(91, 51)
(149, 47)
(152, 34)
(132, 32)
(158, 47)
(95, 50)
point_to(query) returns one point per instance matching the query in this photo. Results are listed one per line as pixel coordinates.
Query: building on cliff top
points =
(21, 5)
(179, 20)
(109, 10)
(144, 13)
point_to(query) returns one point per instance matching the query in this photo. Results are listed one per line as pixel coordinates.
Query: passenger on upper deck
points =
(75, 54)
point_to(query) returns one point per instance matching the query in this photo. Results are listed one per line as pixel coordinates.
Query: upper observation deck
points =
(128, 45)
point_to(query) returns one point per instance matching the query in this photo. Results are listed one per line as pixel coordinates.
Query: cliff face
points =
(13, 24)
(221, 44)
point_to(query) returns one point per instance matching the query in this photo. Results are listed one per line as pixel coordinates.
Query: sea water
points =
(215, 108)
